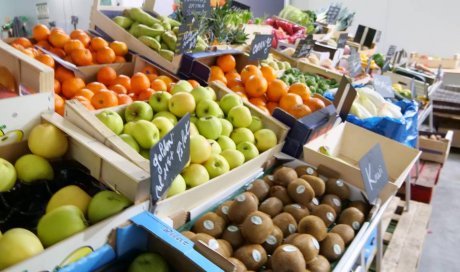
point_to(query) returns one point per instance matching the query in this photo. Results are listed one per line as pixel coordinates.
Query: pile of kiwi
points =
(292, 220)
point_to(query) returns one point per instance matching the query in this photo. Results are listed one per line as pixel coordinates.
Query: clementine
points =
(24, 42)
(81, 57)
(40, 32)
(226, 62)
(62, 74)
(256, 86)
(85, 92)
(139, 83)
(85, 102)
(159, 85)
(118, 88)
(107, 75)
(57, 86)
(193, 82)
(276, 89)
(123, 80)
(233, 79)
(105, 55)
(268, 72)
(72, 45)
(98, 43)
(58, 52)
(71, 86)
(83, 38)
(124, 99)
(258, 101)
(248, 71)
(104, 99)
(145, 95)
(149, 69)
(238, 88)
(120, 48)
(299, 110)
(59, 104)
(271, 106)
(96, 87)
(315, 103)
(119, 59)
(289, 101)
(300, 89)
(44, 44)
(58, 38)
(46, 59)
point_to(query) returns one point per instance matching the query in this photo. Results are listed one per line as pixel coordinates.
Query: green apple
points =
(159, 101)
(181, 86)
(212, 92)
(216, 166)
(145, 133)
(234, 157)
(215, 147)
(130, 140)
(47, 141)
(128, 128)
(168, 115)
(163, 124)
(149, 262)
(228, 101)
(193, 119)
(105, 204)
(208, 107)
(265, 139)
(240, 116)
(182, 103)
(226, 143)
(69, 195)
(200, 149)
(227, 127)
(210, 127)
(60, 223)
(145, 153)
(138, 110)
(8, 174)
(177, 186)
(17, 245)
(195, 174)
(242, 135)
(256, 124)
(248, 149)
(201, 93)
(31, 167)
(112, 120)
(193, 129)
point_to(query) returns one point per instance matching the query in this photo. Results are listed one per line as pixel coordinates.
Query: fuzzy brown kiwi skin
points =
(222, 210)
(287, 258)
(245, 255)
(306, 170)
(205, 238)
(274, 240)
(243, 205)
(314, 226)
(256, 227)
(317, 183)
(327, 246)
(240, 267)
(290, 238)
(269, 180)
(338, 187)
(300, 191)
(188, 234)
(225, 248)
(333, 201)
(326, 213)
(313, 205)
(235, 238)
(259, 188)
(345, 231)
(271, 206)
(360, 205)
(211, 224)
(281, 193)
(284, 175)
(319, 264)
(297, 211)
(286, 222)
(308, 245)
(352, 217)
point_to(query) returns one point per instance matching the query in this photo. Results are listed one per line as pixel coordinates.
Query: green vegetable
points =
(169, 39)
(143, 30)
(137, 14)
(150, 42)
(170, 21)
(298, 16)
(167, 54)
(123, 21)
(379, 59)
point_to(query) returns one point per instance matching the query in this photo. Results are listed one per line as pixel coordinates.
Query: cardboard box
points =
(435, 150)
(348, 143)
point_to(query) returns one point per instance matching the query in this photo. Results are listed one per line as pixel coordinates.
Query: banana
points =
(76, 255)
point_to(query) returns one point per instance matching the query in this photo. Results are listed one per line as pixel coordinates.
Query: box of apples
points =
(59, 190)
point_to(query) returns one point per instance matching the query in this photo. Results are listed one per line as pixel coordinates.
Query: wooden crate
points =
(435, 150)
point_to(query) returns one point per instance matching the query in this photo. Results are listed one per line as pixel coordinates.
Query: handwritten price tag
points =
(197, 7)
(304, 47)
(332, 14)
(374, 172)
(188, 35)
(354, 63)
(342, 41)
(260, 47)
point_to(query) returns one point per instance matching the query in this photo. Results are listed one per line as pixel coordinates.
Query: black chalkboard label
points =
(373, 172)
(260, 47)
(241, 6)
(332, 14)
(342, 41)
(192, 7)
(354, 63)
(391, 51)
(304, 47)
(188, 34)
(167, 159)
(344, 97)
(382, 85)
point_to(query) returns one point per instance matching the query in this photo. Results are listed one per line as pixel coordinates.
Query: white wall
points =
(424, 26)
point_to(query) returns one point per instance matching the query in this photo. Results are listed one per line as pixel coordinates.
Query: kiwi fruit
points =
(305, 170)
(225, 249)
(188, 234)
(338, 187)
(232, 234)
(308, 246)
(284, 175)
(352, 217)
(239, 266)
(274, 240)
(314, 226)
(319, 264)
(269, 180)
(326, 213)
(333, 201)
(313, 204)
(360, 205)
(290, 238)
(286, 222)
(345, 231)
(297, 211)
(332, 246)
(243, 205)
(271, 206)
(300, 191)
(211, 224)
(281, 193)
(256, 227)
(222, 210)
(317, 183)
(253, 256)
(203, 237)
(259, 188)
(287, 258)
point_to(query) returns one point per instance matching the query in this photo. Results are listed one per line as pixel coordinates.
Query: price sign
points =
(167, 159)
(304, 47)
(342, 41)
(260, 47)
(332, 14)
(391, 52)
(382, 85)
(344, 97)
(354, 63)
(192, 7)
(188, 34)
(241, 6)
(373, 172)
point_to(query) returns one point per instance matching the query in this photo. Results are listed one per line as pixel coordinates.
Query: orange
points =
(193, 82)
(238, 88)
(46, 59)
(58, 52)
(217, 74)
(40, 32)
(36, 52)
(105, 55)
(166, 79)
(58, 39)
(145, 95)
(159, 85)
(133, 96)
(256, 86)
(123, 80)
(85, 92)
(258, 101)
(248, 71)
(300, 89)
(96, 87)
(85, 102)
(226, 62)
(107, 76)
(62, 74)
(264, 110)
(56, 29)
(75, 33)
(300, 110)
(151, 77)
(271, 106)
(268, 72)
(28, 52)
(98, 43)
(119, 59)
(104, 99)
(139, 83)
(81, 57)
(149, 69)
(242, 95)
(72, 45)
(120, 48)
(24, 42)
(315, 103)
(289, 101)
(44, 44)
(17, 46)
(59, 104)
(71, 86)
(233, 79)
(57, 86)
(118, 88)
(68, 58)
(124, 99)
(82, 37)
(276, 89)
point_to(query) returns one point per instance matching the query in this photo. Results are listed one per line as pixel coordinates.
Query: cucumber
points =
(123, 21)
(143, 30)
(150, 42)
(138, 15)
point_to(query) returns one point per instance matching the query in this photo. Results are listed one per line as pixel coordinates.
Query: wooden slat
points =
(388, 214)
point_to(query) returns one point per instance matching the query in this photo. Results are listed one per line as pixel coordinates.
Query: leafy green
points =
(316, 83)
(303, 18)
